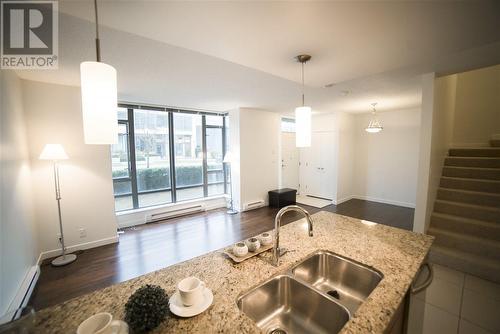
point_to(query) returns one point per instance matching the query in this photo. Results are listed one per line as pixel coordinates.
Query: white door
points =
(317, 166)
(289, 161)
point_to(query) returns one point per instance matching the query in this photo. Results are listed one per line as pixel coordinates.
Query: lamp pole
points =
(63, 259)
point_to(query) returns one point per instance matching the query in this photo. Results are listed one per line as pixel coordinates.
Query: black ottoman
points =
(282, 197)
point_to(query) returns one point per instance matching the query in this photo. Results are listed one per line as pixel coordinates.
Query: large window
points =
(152, 157)
(188, 156)
(165, 156)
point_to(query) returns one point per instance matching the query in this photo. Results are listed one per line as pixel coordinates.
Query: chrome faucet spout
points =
(277, 225)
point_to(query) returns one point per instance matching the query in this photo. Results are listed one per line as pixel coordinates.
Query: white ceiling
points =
(348, 40)
(221, 55)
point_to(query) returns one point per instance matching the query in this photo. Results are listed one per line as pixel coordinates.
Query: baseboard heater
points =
(253, 205)
(177, 212)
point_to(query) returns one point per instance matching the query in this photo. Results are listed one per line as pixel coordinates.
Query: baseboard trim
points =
(24, 292)
(342, 200)
(77, 247)
(385, 201)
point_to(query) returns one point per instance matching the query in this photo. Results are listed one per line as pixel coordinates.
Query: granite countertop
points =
(396, 253)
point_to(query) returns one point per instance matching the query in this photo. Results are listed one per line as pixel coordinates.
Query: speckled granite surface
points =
(396, 253)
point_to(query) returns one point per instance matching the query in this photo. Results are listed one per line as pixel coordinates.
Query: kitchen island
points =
(396, 253)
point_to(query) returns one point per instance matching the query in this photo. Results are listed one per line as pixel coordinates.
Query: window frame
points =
(132, 167)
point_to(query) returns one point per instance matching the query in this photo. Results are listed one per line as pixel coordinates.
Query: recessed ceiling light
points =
(330, 85)
(345, 92)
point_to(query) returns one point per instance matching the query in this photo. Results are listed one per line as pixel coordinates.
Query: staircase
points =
(466, 217)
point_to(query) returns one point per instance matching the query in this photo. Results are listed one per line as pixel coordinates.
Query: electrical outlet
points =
(83, 232)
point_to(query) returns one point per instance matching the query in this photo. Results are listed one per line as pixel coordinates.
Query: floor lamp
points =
(55, 152)
(227, 160)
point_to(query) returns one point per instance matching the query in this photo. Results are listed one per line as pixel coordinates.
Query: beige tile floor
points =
(455, 303)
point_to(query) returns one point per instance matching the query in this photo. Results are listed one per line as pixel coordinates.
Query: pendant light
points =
(99, 97)
(374, 125)
(303, 113)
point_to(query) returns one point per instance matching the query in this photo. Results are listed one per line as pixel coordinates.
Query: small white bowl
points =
(253, 244)
(266, 239)
(240, 249)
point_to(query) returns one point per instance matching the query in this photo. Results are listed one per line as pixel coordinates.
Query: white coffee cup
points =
(191, 291)
(102, 323)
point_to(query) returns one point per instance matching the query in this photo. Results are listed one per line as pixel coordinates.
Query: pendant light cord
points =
(303, 99)
(97, 42)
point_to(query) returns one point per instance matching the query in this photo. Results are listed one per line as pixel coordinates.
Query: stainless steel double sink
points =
(318, 295)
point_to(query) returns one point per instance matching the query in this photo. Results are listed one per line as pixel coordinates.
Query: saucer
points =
(177, 308)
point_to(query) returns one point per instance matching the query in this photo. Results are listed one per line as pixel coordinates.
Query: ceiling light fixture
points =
(99, 97)
(374, 125)
(303, 113)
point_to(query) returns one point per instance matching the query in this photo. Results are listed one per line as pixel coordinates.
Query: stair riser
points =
(465, 152)
(481, 231)
(471, 184)
(478, 248)
(468, 212)
(464, 265)
(474, 198)
(471, 173)
(472, 162)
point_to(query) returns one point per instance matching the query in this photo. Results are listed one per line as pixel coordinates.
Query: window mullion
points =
(224, 153)
(171, 145)
(204, 149)
(133, 167)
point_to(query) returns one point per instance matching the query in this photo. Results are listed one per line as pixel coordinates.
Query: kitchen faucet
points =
(277, 252)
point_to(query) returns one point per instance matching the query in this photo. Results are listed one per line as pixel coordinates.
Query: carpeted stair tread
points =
(469, 196)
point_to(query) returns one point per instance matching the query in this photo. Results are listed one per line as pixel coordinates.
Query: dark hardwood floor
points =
(151, 247)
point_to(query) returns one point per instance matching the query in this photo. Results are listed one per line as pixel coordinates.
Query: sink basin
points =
(284, 305)
(347, 281)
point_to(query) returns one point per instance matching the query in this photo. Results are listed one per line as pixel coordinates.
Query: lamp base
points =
(63, 260)
(231, 212)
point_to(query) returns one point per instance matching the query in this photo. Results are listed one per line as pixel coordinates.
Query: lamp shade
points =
(303, 126)
(227, 158)
(53, 152)
(99, 103)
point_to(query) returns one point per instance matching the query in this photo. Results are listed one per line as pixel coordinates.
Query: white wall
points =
(438, 113)
(255, 165)
(18, 233)
(385, 164)
(477, 108)
(346, 157)
(53, 115)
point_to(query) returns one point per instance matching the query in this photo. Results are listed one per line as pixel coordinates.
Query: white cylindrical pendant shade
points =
(99, 103)
(303, 126)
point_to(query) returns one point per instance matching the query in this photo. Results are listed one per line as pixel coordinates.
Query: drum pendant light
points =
(99, 97)
(303, 113)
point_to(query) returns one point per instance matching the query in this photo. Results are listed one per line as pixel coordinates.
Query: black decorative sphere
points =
(146, 308)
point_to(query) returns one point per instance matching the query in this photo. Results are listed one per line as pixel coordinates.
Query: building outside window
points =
(166, 156)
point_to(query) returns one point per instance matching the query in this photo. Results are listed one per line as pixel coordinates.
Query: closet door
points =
(315, 163)
(327, 165)
(317, 166)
